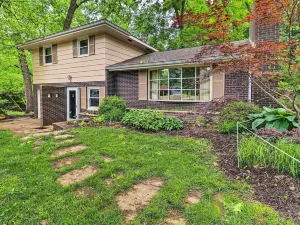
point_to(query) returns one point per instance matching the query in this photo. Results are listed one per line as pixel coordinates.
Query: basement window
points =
(93, 98)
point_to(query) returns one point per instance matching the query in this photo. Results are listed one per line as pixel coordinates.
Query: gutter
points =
(160, 64)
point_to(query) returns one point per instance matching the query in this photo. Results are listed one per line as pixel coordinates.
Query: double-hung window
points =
(48, 55)
(83, 45)
(180, 84)
(93, 98)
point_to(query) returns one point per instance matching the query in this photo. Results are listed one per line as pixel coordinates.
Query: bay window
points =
(180, 84)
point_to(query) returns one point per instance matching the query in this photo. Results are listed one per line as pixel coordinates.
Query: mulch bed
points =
(269, 186)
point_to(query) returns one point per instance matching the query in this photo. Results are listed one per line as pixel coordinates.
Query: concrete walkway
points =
(24, 125)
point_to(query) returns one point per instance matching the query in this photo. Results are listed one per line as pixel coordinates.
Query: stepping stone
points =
(76, 176)
(107, 159)
(38, 142)
(65, 141)
(138, 197)
(175, 218)
(26, 138)
(85, 192)
(66, 150)
(193, 197)
(36, 148)
(63, 136)
(61, 163)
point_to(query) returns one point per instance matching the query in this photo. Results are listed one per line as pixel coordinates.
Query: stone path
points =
(132, 201)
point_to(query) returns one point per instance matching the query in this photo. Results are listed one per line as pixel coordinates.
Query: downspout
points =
(249, 89)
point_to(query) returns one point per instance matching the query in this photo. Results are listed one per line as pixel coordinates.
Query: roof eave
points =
(165, 64)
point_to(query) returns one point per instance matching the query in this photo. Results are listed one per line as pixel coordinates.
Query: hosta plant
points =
(279, 119)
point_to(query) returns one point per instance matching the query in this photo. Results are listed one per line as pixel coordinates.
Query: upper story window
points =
(93, 98)
(48, 55)
(83, 45)
(180, 84)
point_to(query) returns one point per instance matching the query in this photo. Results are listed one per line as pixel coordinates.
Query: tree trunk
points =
(70, 14)
(27, 81)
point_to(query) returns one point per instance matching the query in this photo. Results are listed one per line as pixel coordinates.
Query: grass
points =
(253, 151)
(29, 192)
(16, 113)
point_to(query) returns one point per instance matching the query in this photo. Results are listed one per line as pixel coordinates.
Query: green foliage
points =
(253, 151)
(151, 120)
(278, 118)
(99, 119)
(112, 108)
(233, 113)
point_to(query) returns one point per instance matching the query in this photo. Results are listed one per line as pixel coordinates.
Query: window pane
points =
(163, 84)
(188, 83)
(175, 94)
(205, 85)
(154, 95)
(188, 72)
(84, 51)
(94, 102)
(175, 73)
(48, 51)
(94, 93)
(188, 95)
(83, 43)
(203, 76)
(175, 84)
(48, 59)
(154, 75)
(153, 85)
(203, 95)
(163, 95)
(163, 74)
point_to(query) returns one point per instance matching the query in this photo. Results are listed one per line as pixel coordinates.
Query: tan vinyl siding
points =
(118, 51)
(108, 50)
(218, 84)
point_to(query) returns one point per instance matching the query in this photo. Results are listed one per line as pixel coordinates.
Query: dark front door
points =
(72, 104)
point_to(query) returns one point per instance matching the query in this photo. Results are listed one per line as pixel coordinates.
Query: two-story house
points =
(74, 70)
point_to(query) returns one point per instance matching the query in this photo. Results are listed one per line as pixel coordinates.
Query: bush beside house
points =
(112, 108)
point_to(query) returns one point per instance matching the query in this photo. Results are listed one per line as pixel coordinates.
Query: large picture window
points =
(180, 84)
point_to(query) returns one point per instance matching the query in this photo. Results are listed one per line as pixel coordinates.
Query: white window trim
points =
(195, 66)
(44, 55)
(88, 46)
(93, 108)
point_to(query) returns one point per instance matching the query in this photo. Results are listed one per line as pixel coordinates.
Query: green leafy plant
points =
(233, 113)
(112, 108)
(99, 119)
(151, 120)
(279, 119)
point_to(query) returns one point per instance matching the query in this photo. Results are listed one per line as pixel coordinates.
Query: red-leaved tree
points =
(275, 61)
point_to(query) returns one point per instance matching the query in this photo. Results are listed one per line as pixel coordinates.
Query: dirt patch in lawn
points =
(175, 218)
(138, 197)
(66, 150)
(193, 197)
(58, 164)
(76, 176)
(107, 159)
(85, 192)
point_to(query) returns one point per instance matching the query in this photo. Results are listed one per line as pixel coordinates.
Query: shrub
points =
(172, 123)
(112, 108)
(99, 119)
(279, 119)
(233, 113)
(151, 120)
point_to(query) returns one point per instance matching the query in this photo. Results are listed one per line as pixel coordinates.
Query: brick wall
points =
(237, 85)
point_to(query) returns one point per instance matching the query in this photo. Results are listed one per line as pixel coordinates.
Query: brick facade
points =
(237, 85)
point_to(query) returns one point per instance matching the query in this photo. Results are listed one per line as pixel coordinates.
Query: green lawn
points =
(29, 192)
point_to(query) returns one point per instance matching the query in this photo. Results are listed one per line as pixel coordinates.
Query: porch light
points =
(208, 68)
(56, 95)
(49, 95)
